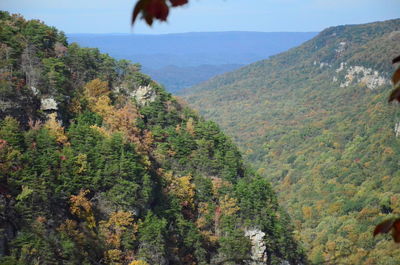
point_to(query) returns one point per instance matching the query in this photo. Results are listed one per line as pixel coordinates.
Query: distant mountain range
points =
(186, 59)
(316, 122)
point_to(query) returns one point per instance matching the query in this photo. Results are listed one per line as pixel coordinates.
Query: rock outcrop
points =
(144, 94)
(48, 104)
(258, 248)
(397, 129)
(360, 74)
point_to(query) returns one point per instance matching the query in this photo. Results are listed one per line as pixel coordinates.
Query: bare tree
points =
(31, 66)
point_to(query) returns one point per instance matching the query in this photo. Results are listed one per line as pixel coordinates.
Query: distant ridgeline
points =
(185, 59)
(99, 165)
(315, 121)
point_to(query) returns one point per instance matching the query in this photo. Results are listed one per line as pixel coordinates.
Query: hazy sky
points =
(113, 16)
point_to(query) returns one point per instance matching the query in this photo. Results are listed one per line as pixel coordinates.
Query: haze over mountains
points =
(182, 60)
(315, 121)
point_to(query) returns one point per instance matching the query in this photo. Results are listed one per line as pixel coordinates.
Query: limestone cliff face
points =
(360, 74)
(258, 248)
(48, 104)
(144, 94)
(397, 129)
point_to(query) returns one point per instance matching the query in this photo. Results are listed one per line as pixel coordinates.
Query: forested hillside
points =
(315, 122)
(99, 165)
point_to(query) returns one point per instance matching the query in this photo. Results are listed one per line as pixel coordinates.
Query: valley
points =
(316, 123)
(237, 147)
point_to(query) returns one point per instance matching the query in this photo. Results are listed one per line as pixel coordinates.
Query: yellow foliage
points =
(181, 187)
(201, 222)
(334, 208)
(8, 156)
(209, 236)
(118, 222)
(123, 119)
(81, 161)
(228, 206)
(101, 130)
(148, 139)
(82, 207)
(113, 256)
(55, 129)
(330, 246)
(307, 212)
(368, 212)
(95, 89)
(102, 106)
(138, 262)
(190, 126)
(203, 209)
(320, 205)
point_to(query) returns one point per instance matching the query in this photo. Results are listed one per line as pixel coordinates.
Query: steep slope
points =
(99, 165)
(316, 122)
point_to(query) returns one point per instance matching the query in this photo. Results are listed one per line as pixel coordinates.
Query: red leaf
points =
(396, 60)
(395, 95)
(157, 9)
(178, 2)
(384, 227)
(396, 77)
(396, 231)
(138, 8)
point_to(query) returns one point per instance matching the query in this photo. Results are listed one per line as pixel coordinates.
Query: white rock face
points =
(341, 68)
(341, 48)
(258, 248)
(322, 65)
(360, 74)
(48, 104)
(35, 91)
(144, 94)
(397, 129)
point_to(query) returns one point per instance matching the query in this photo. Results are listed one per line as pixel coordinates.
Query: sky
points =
(113, 16)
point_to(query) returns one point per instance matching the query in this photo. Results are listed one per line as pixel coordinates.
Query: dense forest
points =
(316, 123)
(100, 165)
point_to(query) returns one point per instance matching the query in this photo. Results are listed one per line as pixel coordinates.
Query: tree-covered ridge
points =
(315, 121)
(99, 165)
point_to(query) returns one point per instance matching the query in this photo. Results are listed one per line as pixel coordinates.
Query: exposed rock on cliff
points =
(144, 94)
(258, 248)
(48, 104)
